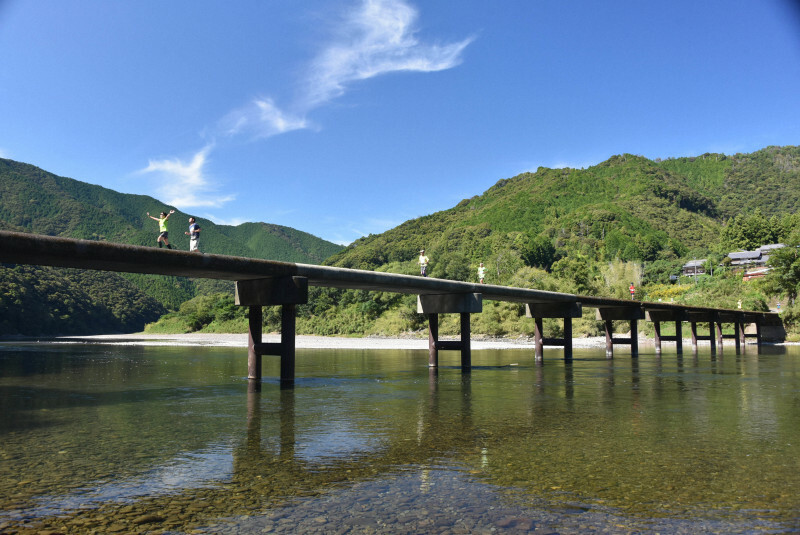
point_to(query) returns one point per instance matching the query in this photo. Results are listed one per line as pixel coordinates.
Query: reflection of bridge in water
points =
(262, 283)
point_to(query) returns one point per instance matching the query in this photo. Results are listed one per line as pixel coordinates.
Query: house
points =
(694, 267)
(753, 263)
(742, 259)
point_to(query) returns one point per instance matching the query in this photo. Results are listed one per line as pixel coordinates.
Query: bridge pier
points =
(288, 292)
(464, 304)
(658, 316)
(704, 317)
(632, 314)
(565, 310)
(735, 318)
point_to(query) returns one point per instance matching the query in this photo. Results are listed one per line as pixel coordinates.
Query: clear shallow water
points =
(111, 439)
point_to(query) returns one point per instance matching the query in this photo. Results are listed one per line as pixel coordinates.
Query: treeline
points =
(46, 301)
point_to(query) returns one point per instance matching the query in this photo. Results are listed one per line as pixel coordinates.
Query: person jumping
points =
(162, 228)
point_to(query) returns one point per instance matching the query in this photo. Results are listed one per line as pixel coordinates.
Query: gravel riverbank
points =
(308, 342)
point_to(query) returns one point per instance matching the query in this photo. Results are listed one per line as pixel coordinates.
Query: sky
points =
(344, 118)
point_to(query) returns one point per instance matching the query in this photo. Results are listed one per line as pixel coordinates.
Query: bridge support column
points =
(463, 304)
(736, 319)
(658, 316)
(712, 318)
(563, 310)
(711, 339)
(632, 314)
(738, 332)
(288, 292)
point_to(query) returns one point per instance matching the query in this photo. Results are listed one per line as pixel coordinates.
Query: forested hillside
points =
(42, 300)
(627, 207)
(33, 200)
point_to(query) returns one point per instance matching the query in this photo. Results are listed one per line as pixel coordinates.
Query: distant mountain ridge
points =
(33, 200)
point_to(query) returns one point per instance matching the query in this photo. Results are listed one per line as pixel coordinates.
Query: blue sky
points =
(343, 118)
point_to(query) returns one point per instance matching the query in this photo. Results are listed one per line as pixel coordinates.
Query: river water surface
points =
(128, 439)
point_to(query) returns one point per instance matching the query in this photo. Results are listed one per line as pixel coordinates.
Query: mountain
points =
(628, 207)
(33, 200)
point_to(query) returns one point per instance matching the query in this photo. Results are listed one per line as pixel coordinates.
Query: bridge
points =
(262, 283)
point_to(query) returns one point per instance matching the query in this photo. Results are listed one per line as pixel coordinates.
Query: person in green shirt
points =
(162, 228)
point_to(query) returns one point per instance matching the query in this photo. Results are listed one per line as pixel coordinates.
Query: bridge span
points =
(262, 283)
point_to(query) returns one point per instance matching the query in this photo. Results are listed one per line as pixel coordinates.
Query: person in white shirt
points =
(423, 263)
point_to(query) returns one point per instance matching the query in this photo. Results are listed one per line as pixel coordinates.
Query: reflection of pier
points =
(268, 283)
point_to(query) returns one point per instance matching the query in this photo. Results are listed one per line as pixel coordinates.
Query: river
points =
(99, 438)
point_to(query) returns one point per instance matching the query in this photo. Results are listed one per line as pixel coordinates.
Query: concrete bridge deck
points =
(269, 282)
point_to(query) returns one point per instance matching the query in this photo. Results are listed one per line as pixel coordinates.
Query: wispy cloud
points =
(185, 184)
(261, 118)
(376, 37)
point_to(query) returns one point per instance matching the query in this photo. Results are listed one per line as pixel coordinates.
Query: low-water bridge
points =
(262, 283)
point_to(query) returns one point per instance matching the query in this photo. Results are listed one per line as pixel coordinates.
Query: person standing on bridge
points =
(194, 235)
(162, 228)
(423, 263)
(481, 273)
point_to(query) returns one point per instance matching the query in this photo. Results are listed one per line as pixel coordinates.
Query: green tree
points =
(538, 252)
(784, 277)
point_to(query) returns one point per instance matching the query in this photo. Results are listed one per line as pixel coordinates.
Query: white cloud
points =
(378, 37)
(184, 184)
(4, 154)
(261, 118)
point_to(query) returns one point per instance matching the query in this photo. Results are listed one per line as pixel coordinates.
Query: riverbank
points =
(318, 342)
(308, 342)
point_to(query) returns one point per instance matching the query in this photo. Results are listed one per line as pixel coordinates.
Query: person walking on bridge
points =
(194, 235)
(162, 228)
(423, 263)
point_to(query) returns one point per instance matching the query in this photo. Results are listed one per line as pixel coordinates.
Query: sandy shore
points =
(309, 342)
